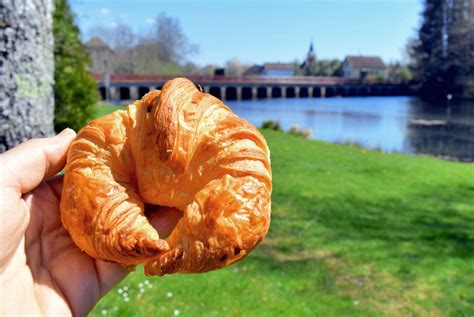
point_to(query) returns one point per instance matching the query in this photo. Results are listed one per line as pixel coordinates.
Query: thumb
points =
(26, 165)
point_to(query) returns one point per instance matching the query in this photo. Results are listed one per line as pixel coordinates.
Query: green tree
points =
(442, 55)
(428, 51)
(75, 90)
(297, 68)
(460, 46)
(398, 73)
(328, 67)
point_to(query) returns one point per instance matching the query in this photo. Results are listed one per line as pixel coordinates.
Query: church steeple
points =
(310, 65)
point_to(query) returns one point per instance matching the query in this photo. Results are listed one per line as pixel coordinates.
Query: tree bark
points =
(26, 71)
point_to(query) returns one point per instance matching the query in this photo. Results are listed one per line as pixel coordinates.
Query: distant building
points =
(101, 55)
(271, 70)
(255, 70)
(310, 65)
(219, 71)
(357, 67)
(278, 69)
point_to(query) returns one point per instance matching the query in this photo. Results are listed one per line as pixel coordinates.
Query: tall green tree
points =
(427, 51)
(443, 53)
(460, 46)
(75, 90)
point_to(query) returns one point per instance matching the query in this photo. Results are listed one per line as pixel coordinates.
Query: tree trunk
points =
(26, 71)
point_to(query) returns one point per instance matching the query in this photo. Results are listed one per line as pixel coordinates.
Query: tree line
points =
(162, 49)
(166, 50)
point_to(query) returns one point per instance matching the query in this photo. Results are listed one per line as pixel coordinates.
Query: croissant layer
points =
(177, 148)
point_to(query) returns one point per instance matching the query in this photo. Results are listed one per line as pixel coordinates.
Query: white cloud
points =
(104, 11)
(150, 20)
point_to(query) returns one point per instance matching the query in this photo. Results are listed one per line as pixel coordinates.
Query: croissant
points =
(175, 148)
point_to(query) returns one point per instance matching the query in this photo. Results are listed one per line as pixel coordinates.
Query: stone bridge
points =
(118, 88)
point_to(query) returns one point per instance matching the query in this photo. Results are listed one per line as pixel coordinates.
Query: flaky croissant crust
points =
(177, 147)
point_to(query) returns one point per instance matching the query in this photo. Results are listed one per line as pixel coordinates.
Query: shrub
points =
(272, 125)
(75, 91)
(296, 130)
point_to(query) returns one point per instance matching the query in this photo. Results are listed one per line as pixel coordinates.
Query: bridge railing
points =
(131, 86)
(267, 80)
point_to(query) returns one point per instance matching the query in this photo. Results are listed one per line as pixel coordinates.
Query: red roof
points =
(372, 62)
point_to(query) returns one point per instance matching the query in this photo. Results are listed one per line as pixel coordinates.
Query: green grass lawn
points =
(103, 108)
(354, 233)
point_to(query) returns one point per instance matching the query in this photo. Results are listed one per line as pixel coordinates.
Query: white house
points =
(357, 67)
(278, 69)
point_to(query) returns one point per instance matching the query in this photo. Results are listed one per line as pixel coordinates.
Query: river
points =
(391, 124)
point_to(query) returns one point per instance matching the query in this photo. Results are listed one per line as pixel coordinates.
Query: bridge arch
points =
(276, 92)
(142, 91)
(352, 91)
(374, 91)
(247, 93)
(392, 91)
(363, 91)
(340, 91)
(103, 93)
(231, 93)
(215, 91)
(290, 92)
(330, 92)
(124, 93)
(316, 92)
(304, 92)
(262, 93)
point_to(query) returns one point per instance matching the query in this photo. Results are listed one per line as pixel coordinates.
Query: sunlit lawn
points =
(354, 233)
(103, 108)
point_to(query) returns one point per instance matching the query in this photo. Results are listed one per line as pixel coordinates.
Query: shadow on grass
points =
(423, 239)
(434, 222)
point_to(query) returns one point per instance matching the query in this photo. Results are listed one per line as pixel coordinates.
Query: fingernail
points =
(67, 131)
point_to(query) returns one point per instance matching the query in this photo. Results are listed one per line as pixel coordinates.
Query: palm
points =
(56, 276)
(42, 272)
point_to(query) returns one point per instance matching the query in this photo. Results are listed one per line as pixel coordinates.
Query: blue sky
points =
(269, 31)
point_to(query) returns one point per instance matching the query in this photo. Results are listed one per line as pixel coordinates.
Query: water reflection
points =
(401, 124)
(440, 130)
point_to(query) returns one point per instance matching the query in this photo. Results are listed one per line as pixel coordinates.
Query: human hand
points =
(42, 272)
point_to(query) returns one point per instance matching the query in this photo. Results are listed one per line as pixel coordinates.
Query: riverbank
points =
(392, 124)
(354, 233)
